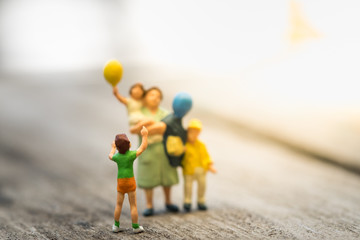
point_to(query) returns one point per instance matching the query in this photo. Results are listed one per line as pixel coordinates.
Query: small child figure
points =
(125, 179)
(195, 164)
(133, 103)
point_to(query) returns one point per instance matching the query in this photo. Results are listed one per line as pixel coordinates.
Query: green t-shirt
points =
(125, 163)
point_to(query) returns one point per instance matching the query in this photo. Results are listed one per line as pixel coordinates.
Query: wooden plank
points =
(56, 181)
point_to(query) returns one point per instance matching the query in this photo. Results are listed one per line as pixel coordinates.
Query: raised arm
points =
(116, 93)
(144, 142)
(112, 151)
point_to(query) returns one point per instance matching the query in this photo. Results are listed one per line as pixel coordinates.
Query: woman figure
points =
(126, 181)
(153, 166)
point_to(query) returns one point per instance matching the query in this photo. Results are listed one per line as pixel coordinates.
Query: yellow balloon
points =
(113, 72)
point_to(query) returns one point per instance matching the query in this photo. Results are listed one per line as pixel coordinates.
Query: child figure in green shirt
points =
(125, 179)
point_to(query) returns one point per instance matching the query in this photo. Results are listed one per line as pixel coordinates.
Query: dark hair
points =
(154, 88)
(137, 85)
(122, 143)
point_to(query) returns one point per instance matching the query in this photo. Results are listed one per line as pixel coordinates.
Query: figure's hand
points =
(212, 169)
(115, 90)
(113, 144)
(144, 131)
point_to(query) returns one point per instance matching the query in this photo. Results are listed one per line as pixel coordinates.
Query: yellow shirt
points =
(196, 155)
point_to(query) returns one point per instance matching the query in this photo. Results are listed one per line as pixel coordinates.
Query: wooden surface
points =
(57, 183)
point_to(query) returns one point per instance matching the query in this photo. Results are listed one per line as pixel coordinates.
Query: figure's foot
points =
(172, 208)
(202, 207)
(138, 230)
(116, 229)
(187, 207)
(148, 212)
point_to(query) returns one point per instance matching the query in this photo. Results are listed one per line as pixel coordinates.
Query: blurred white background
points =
(285, 68)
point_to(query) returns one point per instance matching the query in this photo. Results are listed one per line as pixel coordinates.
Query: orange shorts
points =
(126, 185)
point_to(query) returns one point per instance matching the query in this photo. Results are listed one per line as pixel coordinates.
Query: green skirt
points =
(154, 168)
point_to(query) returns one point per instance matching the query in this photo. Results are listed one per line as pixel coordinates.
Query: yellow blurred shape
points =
(113, 72)
(195, 123)
(300, 29)
(174, 146)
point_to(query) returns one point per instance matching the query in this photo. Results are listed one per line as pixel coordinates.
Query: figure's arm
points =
(145, 122)
(112, 151)
(144, 143)
(207, 159)
(152, 127)
(211, 168)
(136, 128)
(122, 99)
(157, 128)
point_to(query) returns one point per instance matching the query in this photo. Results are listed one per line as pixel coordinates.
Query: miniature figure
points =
(195, 164)
(126, 181)
(171, 126)
(133, 103)
(175, 134)
(153, 166)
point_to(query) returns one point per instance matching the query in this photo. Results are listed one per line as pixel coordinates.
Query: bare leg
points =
(134, 213)
(118, 207)
(169, 206)
(133, 207)
(149, 197)
(167, 195)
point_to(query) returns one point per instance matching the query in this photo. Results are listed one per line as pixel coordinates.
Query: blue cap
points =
(182, 104)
